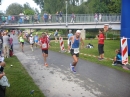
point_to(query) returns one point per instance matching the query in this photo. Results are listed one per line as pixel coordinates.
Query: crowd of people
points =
(45, 18)
(6, 51)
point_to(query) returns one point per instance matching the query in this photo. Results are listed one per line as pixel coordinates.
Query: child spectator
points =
(118, 58)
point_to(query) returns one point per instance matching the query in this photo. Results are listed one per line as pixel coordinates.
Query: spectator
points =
(57, 17)
(6, 45)
(60, 16)
(101, 38)
(100, 17)
(10, 43)
(3, 19)
(2, 88)
(35, 18)
(49, 18)
(1, 43)
(117, 58)
(27, 19)
(23, 17)
(38, 18)
(96, 17)
(56, 35)
(13, 19)
(45, 17)
(72, 18)
(9, 19)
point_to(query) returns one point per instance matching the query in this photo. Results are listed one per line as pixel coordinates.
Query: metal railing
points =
(78, 18)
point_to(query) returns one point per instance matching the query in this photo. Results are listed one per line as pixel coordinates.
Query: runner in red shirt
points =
(101, 38)
(44, 44)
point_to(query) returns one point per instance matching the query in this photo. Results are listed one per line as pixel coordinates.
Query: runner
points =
(44, 43)
(21, 40)
(69, 44)
(75, 43)
(36, 40)
(31, 41)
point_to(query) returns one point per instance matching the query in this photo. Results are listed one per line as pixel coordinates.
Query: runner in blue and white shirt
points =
(36, 40)
(75, 44)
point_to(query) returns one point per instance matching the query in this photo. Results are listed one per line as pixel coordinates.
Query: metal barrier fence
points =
(78, 18)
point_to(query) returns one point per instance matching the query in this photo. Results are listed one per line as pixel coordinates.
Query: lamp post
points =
(66, 12)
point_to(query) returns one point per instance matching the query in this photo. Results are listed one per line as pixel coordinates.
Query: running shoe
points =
(46, 64)
(100, 59)
(73, 69)
(113, 64)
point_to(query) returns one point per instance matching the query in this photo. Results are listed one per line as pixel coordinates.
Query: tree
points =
(40, 3)
(91, 6)
(114, 6)
(14, 9)
(28, 10)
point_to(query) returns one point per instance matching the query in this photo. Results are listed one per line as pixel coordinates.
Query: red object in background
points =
(10, 53)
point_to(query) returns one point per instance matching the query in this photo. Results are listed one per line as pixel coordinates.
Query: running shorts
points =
(45, 51)
(72, 53)
(22, 43)
(36, 41)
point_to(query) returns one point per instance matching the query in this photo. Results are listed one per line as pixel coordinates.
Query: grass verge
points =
(109, 48)
(21, 84)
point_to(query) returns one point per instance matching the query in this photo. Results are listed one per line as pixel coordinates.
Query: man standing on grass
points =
(6, 45)
(75, 43)
(44, 44)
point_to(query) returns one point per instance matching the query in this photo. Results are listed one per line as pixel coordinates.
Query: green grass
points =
(20, 82)
(109, 48)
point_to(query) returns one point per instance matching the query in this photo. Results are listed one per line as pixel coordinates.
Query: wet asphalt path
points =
(106, 81)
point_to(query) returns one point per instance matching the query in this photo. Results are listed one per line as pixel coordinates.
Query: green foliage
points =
(26, 9)
(40, 3)
(14, 9)
(115, 6)
(90, 36)
(91, 6)
(29, 12)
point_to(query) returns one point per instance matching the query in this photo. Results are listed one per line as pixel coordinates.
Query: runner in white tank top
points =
(31, 41)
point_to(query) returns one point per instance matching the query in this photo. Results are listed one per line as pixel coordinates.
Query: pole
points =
(66, 13)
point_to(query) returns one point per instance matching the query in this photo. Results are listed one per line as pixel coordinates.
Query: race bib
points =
(76, 50)
(44, 45)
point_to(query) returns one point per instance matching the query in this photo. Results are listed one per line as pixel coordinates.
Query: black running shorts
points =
(72, 53)
(45, 51)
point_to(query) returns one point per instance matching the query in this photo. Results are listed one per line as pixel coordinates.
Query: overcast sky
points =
(6, 3)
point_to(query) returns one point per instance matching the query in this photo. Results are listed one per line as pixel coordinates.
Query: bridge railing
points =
(78, 18)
